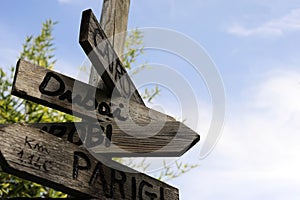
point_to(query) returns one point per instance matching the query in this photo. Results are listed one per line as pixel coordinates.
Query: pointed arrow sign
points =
(108, 139)
(151, 137)
(28, 153)
(104, 58)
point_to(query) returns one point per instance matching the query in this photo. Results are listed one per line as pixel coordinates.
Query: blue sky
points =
(255, 45)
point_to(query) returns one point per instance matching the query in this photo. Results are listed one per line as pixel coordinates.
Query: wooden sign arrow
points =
(71, 96)
(43, 158)
(104, 58)
(106, 138)
(151, 137)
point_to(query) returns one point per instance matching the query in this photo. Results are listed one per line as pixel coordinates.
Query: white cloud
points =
(275, 27)
(281, 93)
(258, 154)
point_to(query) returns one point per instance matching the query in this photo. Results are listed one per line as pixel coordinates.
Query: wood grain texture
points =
(113, 20)
(136, 131)
(43, 158)
(105, 60)
(169, 140)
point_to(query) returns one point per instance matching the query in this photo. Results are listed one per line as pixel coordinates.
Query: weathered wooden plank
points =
(43, 158)
(114, 19)
(95, 44)
(149, 137)
(108, 139)
(63, 93)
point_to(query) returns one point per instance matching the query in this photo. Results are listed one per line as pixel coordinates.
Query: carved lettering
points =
(98, 171)
(144, 184)
(113, 181)
(76, 166)
(162, 195)
(74, 130)
(66, 96)
(115, 67)
(120, 182)
(90, 134)
(133, 188)
(88, 101)
(104, 109)
(95, 136)
(30, 158)
(58, 130)
(47, 78)
(103, 51)
(117, 113)
(108, 134)
(27, 142)
(41, 148)
(45, 166)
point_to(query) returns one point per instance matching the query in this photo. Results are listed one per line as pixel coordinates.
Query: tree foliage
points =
(38, 50)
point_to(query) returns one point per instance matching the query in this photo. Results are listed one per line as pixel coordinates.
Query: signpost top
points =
(114, 20)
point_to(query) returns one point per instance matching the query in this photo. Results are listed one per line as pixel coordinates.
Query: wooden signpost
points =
(116, 122)
(55, 90)
(34, 155)
(58, 91)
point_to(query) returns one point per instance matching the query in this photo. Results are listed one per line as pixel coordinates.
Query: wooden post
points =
(114, 19)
